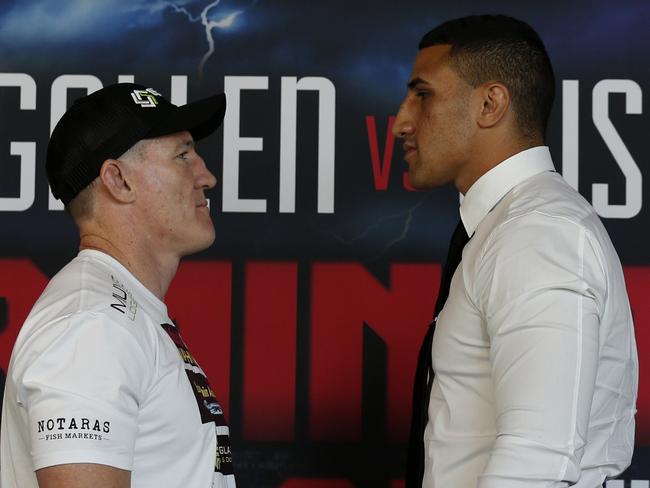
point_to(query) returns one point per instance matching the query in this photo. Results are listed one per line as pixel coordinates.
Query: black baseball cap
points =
(106, 123)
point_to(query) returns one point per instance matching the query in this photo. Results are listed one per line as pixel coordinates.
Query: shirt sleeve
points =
(81, 388)
(541, 288)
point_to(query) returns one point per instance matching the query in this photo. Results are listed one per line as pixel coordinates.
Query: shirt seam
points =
(578, 370)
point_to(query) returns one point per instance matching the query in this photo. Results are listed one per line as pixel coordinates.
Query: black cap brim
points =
(201, 118)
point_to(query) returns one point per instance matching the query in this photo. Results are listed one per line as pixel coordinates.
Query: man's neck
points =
(153, 271)
(489, 155)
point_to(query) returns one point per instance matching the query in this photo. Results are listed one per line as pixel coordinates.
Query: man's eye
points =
(421, 94)
(183, 155)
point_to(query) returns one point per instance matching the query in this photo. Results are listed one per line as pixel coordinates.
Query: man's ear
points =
(494, 98)
(113, 175)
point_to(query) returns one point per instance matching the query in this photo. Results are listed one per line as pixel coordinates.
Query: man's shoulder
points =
(86, 290)
(83, 285)
(540, 213)
(549, 200)
(85, 304)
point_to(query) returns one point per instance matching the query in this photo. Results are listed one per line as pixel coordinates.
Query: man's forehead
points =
(177, 139)
(169, 142)
(430, 60)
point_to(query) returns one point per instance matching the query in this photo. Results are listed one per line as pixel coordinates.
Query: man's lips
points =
(408, 149)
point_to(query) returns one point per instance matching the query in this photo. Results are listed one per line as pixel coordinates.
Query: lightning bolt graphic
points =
(208, 24)
(408, 214)
(405, 229)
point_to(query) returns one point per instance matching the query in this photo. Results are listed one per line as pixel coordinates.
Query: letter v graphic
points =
(380, 170)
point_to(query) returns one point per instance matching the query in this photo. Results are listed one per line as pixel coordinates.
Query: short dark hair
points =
(500, 48)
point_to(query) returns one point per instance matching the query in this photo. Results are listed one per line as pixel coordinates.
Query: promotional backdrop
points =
(308, 311)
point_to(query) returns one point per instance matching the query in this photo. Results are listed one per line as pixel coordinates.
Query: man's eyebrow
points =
(416, 81)
(185, 144)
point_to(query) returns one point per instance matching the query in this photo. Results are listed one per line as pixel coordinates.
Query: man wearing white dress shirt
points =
(534, 354)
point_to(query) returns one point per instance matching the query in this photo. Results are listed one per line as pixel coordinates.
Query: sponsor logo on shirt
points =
(223, 460)
(123, 300)
(209, 407)
(60, 428)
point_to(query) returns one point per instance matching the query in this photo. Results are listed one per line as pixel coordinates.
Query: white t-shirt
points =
(99, 374)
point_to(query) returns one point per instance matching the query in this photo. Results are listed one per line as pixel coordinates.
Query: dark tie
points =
(424, 370)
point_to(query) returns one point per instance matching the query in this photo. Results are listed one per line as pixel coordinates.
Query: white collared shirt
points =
(534, 352)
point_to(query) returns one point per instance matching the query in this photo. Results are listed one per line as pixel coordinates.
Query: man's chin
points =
(208, 241)
(417, 181)
(423, 181)
(200, 244)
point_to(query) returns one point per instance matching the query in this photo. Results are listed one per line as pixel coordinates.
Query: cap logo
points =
(145, 98)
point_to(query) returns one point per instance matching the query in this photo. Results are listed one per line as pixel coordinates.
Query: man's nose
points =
(403, 126)
(205, 178)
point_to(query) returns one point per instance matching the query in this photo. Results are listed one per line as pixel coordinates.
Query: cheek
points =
(169, 186)
(433, 118)
(433, 135)
(152, 183)
(446, 128)
(161, 199)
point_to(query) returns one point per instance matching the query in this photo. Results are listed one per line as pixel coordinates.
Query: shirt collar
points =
(486, 192)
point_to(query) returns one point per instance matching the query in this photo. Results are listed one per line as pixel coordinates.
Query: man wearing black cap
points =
(101, 390)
